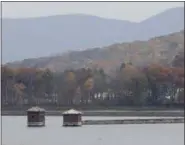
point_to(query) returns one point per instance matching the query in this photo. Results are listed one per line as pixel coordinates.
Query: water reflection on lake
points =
(15, 132)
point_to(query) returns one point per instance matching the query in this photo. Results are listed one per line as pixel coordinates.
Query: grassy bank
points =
(167, 113)
(96, 107)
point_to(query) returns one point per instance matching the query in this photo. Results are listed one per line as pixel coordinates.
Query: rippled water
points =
(15, 132)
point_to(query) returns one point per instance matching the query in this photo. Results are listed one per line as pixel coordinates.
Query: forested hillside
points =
(166, 50)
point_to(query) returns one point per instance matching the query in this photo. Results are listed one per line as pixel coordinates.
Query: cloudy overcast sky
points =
(133, 11)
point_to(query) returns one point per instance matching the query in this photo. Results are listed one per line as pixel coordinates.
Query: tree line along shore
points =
(154, 85)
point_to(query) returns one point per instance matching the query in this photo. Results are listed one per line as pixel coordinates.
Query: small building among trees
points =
(35, 117)
(72, 118)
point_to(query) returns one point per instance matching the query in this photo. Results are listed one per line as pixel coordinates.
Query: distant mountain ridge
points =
(43, 36)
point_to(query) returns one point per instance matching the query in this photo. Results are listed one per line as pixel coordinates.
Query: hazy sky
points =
(133, 11)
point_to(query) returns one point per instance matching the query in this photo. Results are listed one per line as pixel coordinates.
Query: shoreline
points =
(161, 113)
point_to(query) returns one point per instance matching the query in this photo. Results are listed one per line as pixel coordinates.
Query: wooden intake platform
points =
(134, 121)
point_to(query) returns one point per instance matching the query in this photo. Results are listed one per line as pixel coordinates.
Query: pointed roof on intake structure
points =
(72, 111)
(36, 109)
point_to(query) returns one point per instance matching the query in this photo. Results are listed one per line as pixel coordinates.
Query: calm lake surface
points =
(16, 132)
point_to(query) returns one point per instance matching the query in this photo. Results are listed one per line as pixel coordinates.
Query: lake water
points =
(16, 132)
